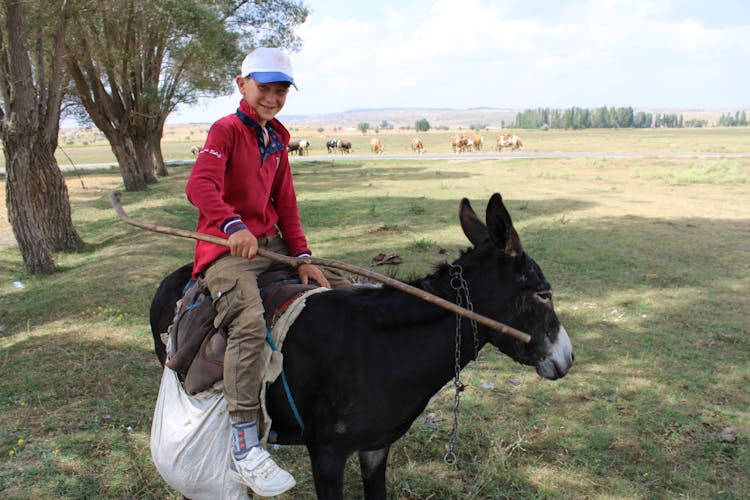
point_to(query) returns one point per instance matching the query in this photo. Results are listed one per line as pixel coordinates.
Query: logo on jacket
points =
(212, 152)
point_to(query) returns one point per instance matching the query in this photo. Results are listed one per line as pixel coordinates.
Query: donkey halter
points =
(458, 283)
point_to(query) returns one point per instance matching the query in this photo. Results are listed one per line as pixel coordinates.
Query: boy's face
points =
(266, 99)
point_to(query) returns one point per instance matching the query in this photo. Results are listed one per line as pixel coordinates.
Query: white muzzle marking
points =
(559, 357)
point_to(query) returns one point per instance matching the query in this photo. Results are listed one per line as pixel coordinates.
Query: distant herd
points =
(458, 144)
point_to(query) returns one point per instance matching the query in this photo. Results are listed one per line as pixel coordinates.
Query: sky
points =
(462, 54)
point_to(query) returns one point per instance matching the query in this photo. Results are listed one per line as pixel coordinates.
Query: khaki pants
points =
(232, 283)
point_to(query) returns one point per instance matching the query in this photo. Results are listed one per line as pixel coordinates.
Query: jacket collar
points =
(275, 124)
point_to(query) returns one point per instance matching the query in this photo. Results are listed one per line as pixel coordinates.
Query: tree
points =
(133, 62)
(600, 118)
(422, 125)
(31, 89)
(363, 127)
(624, 117)
(642, 120)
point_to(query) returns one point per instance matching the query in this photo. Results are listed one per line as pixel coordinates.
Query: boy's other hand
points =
(309, 272)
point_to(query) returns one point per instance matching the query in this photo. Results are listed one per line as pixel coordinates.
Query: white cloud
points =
(470, 53)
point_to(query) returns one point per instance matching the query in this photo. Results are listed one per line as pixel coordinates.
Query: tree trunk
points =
(35, 248)
(54, 201)
(38, 205)
(36, 193)
(132, 176)
(144, 158)
(150, 128)
(161, 167)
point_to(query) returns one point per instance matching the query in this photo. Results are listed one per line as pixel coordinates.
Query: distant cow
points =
(344, 145)
(416, 145)
(459, 143)
(331, 146)
(509, 141)
(376, 146)
(195, 150)
(477, 141)
(304, 145)
(293, 147)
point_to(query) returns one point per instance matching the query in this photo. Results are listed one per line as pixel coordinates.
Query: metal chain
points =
(458, 283)
(460, 286)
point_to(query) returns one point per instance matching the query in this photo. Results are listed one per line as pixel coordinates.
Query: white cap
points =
(266, 65)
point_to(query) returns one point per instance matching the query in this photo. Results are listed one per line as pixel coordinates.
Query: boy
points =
(241, 184)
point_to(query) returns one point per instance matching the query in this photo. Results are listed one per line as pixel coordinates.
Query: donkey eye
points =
(543, 297)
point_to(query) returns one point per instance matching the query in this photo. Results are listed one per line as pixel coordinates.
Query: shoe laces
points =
(266, 468)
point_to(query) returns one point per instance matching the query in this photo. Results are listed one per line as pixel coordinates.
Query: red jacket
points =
(228, 182)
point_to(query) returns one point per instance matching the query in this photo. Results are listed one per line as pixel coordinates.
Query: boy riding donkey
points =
(242, 185)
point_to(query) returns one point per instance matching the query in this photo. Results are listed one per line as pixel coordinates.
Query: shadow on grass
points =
(81, 402)
(122, 264)
(344, 176)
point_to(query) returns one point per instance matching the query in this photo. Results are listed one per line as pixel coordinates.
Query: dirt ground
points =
(86, 188)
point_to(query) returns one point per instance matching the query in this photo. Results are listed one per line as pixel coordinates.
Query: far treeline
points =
(606, 117)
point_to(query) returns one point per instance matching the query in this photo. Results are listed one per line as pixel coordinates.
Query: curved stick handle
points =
(115, 197)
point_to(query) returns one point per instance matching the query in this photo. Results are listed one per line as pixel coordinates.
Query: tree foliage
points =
(363, 127)
(602, 117)
(422, 125)
(133, 62)
(738, 119)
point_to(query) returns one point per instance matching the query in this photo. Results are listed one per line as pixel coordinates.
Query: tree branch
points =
(55, 91)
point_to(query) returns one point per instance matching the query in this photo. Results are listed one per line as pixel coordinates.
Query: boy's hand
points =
(309, 272)
(243, 244)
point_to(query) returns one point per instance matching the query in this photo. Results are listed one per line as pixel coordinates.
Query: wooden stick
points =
(115, 197)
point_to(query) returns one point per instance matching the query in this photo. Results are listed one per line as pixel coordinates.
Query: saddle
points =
(197, 347)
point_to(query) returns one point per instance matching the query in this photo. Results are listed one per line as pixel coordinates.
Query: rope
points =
(287, 390)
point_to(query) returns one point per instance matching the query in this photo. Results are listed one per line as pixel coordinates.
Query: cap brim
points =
(272, 76)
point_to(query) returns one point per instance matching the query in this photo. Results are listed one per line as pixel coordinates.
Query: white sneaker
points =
(260, 473)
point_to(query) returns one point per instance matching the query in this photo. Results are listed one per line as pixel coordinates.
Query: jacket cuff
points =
(232, 226)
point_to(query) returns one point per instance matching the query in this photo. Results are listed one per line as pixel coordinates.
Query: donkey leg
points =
(328, 473)
(373, 464)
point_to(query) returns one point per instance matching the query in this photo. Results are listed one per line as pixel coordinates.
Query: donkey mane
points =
(437, 282)
(389, 307)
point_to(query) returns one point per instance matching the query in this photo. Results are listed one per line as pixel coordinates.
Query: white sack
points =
(191, 440)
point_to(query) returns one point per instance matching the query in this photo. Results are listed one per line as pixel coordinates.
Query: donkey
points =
(362, 365)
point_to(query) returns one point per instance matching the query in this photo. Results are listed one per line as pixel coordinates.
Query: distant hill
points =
(405, 117)
(453, 118)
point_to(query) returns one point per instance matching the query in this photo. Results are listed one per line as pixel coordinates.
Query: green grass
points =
(649, 263)
(85, 146)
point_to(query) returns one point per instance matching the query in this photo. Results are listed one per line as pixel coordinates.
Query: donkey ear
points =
(474, 229)
(502, 233)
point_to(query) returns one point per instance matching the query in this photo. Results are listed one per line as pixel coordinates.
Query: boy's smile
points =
(267, 99)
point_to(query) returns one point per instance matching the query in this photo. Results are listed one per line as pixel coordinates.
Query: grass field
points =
(81, 147)
(648, 258)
